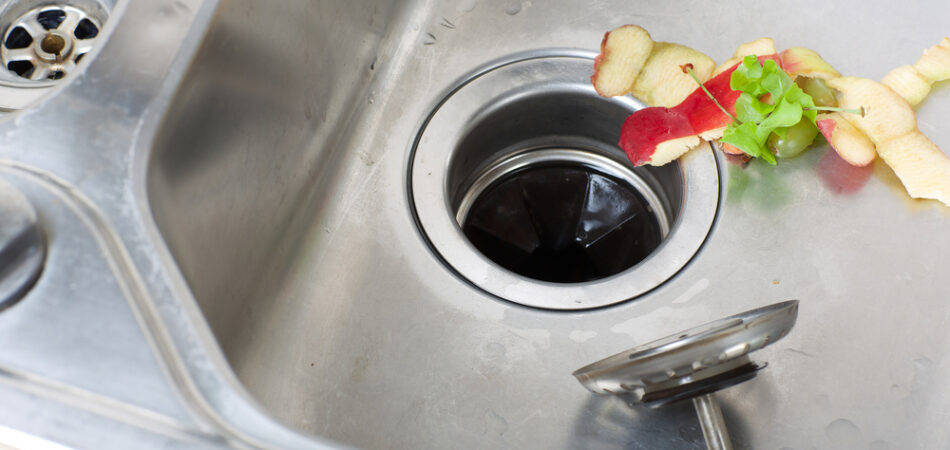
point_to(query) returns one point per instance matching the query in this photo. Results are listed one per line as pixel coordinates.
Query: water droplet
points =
(495, 423)
(495, 350)
(582, 335)
(513, 8)
(923, 363)
(466, 5)
(843, 433)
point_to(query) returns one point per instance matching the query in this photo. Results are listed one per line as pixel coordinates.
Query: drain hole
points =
(563, 224)
(519, 187)
(541, 189)
(18, 38)
(53, 44)
(86, 30)
(21, 68)
(64, 34)
(50, 19)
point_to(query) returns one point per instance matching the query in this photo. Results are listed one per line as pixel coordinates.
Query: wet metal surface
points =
(231, 239)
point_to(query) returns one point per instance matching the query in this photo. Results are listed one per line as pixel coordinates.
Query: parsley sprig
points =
(770, 102)
(787, 104)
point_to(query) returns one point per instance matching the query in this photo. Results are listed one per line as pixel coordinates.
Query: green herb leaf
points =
(756, 120)
(757, 79)
(785, 115)
(796, 95)
(747, 76)
(750, 109)
(774, 80)
(745, 137)
(787, 104)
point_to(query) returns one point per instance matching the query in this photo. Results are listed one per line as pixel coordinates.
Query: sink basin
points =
(272, 164)
(278, 181)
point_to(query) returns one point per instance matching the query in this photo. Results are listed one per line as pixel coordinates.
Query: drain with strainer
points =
(43, 43)
(47, 42)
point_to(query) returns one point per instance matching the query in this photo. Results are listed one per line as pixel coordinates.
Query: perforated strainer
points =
(693, 364)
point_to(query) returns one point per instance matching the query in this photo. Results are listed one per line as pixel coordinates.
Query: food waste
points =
(766, 104)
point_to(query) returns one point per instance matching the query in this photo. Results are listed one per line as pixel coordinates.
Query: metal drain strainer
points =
(693, 364)
(47, 42)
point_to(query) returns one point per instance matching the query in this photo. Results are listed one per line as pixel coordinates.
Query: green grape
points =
(797, 138)
(818, 90)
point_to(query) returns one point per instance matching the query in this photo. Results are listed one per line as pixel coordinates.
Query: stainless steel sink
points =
(226, 186)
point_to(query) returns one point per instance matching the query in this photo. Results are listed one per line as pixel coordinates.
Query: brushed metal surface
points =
(361, 335)
(224, 188)
(22, 246)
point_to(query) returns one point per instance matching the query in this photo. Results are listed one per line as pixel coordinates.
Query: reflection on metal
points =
(693, 364)
(710, 418)
(22, 246)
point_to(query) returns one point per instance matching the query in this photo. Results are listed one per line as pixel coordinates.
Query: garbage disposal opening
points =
(517, 183)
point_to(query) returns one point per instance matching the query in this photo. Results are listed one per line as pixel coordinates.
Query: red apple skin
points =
(643, 130)
(664, 124)
(599, 59)
(702, 112)
(827, 128)
(846, 145)
(806, 62)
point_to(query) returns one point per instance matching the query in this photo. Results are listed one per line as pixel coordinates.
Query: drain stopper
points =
(47, 42)
(693, 364)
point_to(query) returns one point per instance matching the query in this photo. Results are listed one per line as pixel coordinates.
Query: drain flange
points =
(501, 179)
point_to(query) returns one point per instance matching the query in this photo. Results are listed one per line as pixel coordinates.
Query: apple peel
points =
(805, 62)
(923, 169)
(909, 83)
(695, 118)
(914, 82)
(886, 114)
(672, 149)
(758, 47)
(935, 62)
(849, 142)
(662, 81)
(891, 125)
(623, 52)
